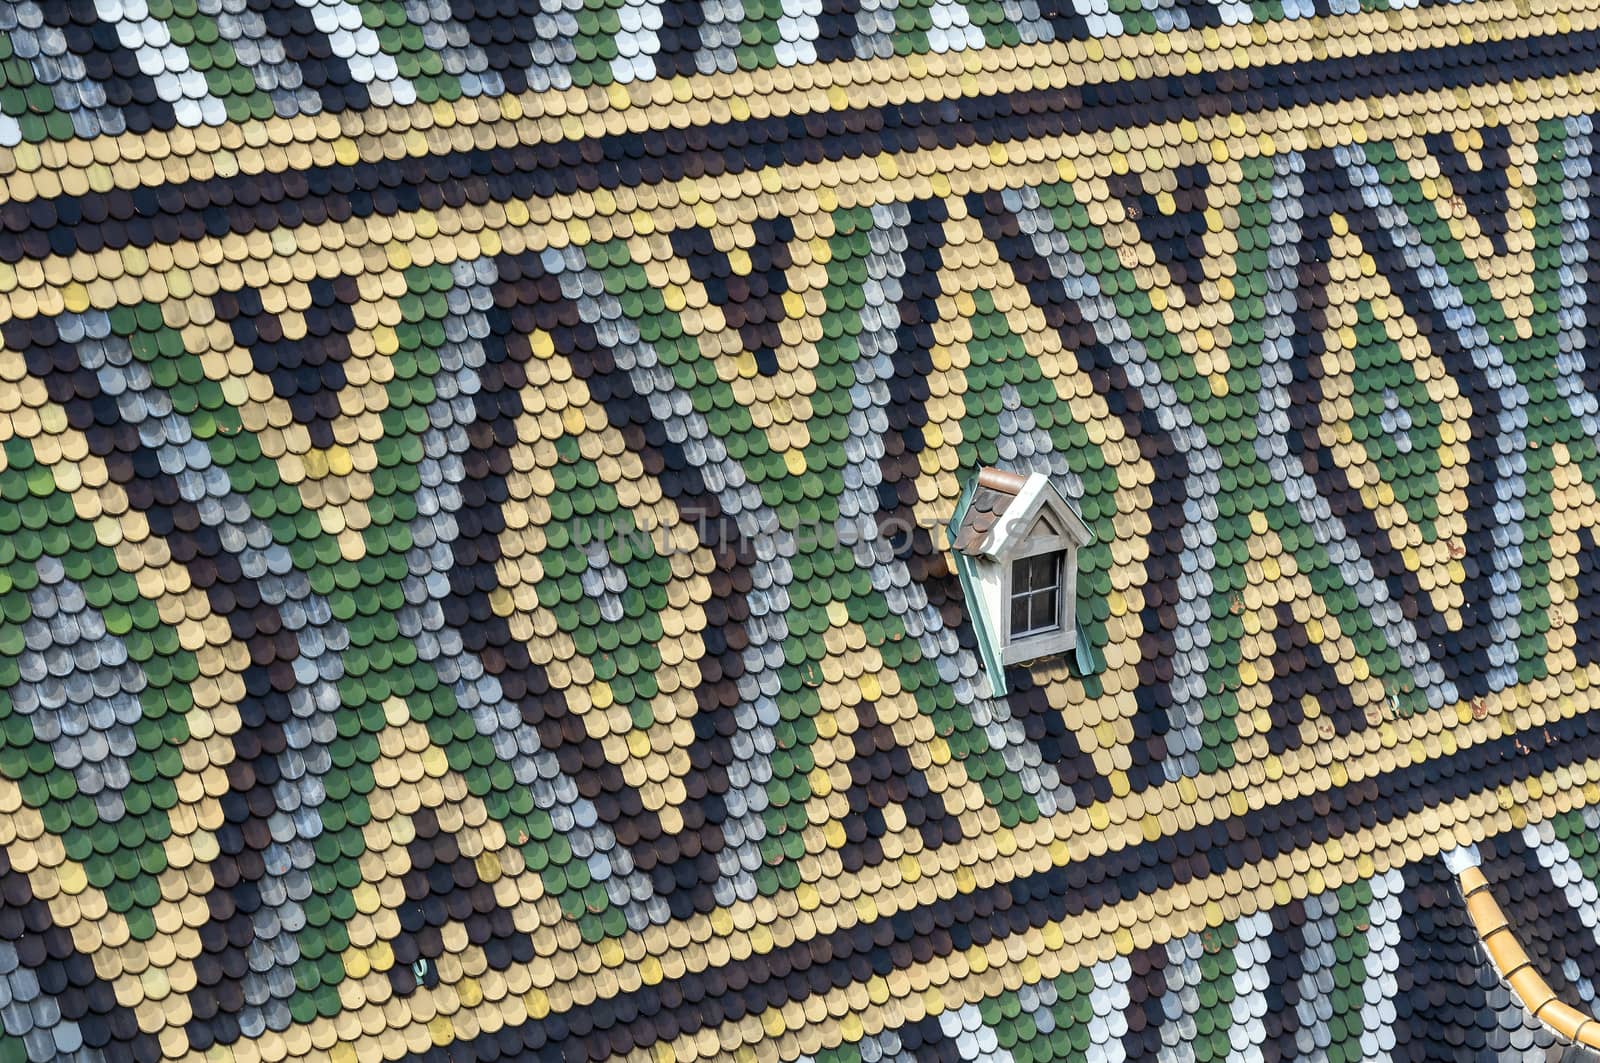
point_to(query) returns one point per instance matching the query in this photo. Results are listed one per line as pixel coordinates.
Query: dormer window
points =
(1016, 541)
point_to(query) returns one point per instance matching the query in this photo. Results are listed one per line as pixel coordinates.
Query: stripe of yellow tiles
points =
(854, 674)
(1202, 330)
(334, 483)
(1275, 579)
(779, 404)
(1439, 573)
(938, 486)
(388, 134)
(1508, 274)
(850, 670)
(151, 977)
(804, 304)
(1574, 507)
(839, 693)
(424, 237)
(1123, 237)
(1209, 321)
(344, 469)
(654, 759)
(803, 1027)
(1510, 277)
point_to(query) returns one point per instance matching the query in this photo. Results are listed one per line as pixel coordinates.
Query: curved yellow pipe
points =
(1515, 967)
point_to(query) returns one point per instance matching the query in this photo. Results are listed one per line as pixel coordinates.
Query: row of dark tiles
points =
(498, 48)
(595, 1032)
(248, 203)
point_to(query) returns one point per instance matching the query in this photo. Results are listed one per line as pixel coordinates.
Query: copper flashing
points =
(1009, 483)
(1512, 961)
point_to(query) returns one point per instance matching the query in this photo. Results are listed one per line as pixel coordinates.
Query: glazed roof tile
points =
(995, 490)
(474, 480)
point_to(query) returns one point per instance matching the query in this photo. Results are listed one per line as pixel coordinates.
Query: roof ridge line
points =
(1516, 969)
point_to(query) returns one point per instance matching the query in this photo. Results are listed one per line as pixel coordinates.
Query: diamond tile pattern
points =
(474, 479)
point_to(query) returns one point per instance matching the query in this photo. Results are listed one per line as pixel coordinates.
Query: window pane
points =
(1036, 594)
(1049, 571)
(1044, 610)
(1035, 573)
(1019, 614)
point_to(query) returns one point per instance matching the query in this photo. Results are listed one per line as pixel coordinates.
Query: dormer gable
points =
(1012, 513)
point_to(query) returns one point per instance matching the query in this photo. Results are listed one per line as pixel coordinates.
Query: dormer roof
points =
(1007, 508)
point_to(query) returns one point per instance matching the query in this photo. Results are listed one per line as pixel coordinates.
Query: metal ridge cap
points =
(1516, 969)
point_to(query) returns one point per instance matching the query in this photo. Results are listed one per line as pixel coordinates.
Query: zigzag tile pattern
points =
(473, 488)
(77, 69)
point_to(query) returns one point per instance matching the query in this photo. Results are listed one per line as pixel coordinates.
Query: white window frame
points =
(1044, 589)
(1064, 637)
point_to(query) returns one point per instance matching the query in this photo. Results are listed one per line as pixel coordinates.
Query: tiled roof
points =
(993, 492)
(473, 488)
